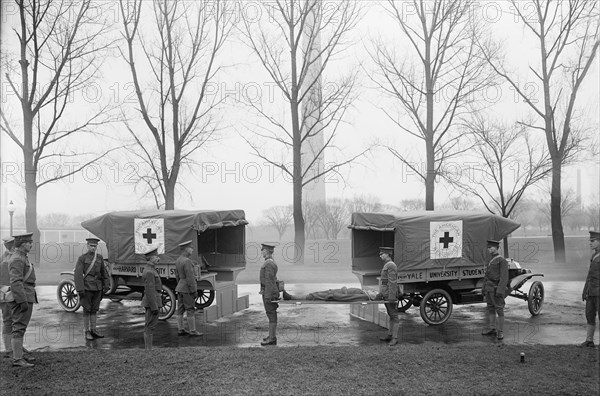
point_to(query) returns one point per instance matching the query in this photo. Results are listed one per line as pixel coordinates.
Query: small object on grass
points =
(522, 357)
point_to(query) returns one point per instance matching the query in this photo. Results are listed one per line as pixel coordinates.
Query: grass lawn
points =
(405, 369)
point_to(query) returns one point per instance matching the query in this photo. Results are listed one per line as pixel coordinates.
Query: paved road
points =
(561, 322)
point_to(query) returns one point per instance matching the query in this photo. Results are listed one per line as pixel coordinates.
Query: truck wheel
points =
(436, 307)
(67, 295)
(404, 303)
(168, 303)
(205, 298)
(535, 298)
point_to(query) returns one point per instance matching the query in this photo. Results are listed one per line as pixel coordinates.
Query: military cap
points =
(26, 237)
(492, 243)
(267, 246)
(8, 241)
(386, 250)
(594, 235)
(150, 253)
(185, 244)
(92, 240)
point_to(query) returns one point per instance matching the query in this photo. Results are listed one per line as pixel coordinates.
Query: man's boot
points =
(272, 339)
(589, 339)
(192, 324)
(86, 327)
(147, 342)
(7, 344)
(180, 329)
(395, 329)
(500, 328)
(93, 330)
(491, 329)
(17, 347)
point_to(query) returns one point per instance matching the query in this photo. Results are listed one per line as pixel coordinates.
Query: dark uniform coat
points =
(152, 290)
(96, 279)
(184, 275)
(496, 275)
(268, 279)
(592, 282)
(21, 284)
(389, 281)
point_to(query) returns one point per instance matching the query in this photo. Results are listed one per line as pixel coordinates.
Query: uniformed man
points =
(91, 281)
(5, 282)
(187, 289)
(22, 285)
(494, 290)
(269, 291)
(591, 290)
(152, 300)
(389, 291)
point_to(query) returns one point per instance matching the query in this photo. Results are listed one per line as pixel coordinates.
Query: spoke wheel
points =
(535, 298)
(168, 303)
(205, 298)
(404, 303)
(67, 295)
(436, 307)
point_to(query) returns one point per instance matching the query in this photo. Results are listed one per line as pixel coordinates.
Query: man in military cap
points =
(152, 300)
(591, 290)
(22, 285)
(9, 244)
(389, 291)
(91, 281)
(187, 290)
(494, 290)
(269, 291)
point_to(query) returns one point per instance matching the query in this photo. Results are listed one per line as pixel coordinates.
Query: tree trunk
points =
(558, 236)
(31, 191)
(299, 236)
(170, 196)
(31, 187)
(430, 176)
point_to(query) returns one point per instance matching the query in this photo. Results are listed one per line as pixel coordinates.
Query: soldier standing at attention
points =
(9, 244)
(91, 281)
(152, 300)
(389, 292)
(22, 285)
(269, 291)
(591, 290)
(494, 289)
(187, 289)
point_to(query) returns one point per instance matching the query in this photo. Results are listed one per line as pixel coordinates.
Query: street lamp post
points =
(11, 211)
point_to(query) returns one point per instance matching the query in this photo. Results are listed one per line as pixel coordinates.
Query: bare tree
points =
(363, 203)
(334, 216)
(592, 214)
(568, 36)
(179, 52)
(440, 86)
(55, 220)
(279, 217)
(408, 205)
(511, 163)
(461, 202)
(312, 35)
(59, 52)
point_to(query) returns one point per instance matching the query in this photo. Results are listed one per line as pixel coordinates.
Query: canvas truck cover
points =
(430, 239)
(129, 234)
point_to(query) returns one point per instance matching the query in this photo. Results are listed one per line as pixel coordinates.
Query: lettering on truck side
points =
(473, 272)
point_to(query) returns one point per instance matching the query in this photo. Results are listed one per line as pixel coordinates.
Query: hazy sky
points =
(227, 176)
